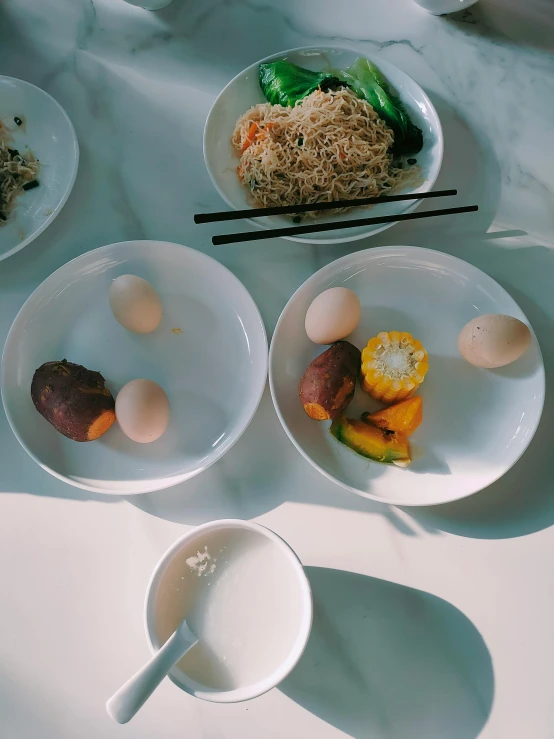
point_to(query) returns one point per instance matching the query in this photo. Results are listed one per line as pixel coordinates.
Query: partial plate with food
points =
(146, 398)
(474, 418)
(39, 157)
(233, 162)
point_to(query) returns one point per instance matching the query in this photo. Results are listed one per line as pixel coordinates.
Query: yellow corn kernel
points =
(394, 364)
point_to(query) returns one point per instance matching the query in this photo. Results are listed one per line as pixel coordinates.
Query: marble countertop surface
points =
(430, 623)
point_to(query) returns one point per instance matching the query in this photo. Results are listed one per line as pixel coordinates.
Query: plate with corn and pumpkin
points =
(406, 375)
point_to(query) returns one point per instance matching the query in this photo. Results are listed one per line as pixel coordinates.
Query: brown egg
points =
(493, 340)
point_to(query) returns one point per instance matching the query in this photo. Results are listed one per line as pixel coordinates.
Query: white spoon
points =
(123, 705)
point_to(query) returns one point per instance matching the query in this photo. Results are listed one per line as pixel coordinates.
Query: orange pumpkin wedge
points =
(402, 418)
(372, 442)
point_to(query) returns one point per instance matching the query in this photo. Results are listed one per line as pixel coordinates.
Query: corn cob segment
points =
(394, 364)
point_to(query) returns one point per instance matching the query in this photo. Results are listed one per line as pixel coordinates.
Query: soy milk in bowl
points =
(245, 595)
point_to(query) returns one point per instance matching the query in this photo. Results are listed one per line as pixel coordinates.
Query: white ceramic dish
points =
(244, 91)
(299, 601)
(476, 423)
(50, 135)
(213, 372)
(442, 7)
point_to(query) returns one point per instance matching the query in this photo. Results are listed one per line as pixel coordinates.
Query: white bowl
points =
(476, 423)
(287, 578)
(442, 7)
(244, 91)
(50, 135)
(213, 372)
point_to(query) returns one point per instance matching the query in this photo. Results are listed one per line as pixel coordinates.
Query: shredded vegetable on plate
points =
(18, 173)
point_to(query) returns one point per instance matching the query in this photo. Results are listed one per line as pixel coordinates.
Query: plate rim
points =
(69, 187)
(222, 450)
(318, 241)
(401, 250)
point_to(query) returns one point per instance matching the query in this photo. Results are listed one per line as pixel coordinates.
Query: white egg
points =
(135, 304)
(142, 410)
(333, 315)
(493, 340)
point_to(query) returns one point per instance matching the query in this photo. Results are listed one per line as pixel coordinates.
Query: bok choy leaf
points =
(284, 83)
(368, 82)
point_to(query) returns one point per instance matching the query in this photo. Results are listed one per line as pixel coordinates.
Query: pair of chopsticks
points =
(319, 227)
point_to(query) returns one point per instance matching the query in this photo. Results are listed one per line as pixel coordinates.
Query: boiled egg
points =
(135, 304)
(493, 340)
(142, 410)
(333, 315)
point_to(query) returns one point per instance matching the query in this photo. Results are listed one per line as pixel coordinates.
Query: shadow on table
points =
(387, 660)
(21, 705)
(249, 481)
(522, 501)
(469, 166)
(527, 24)
(20, 474)
(254, 478)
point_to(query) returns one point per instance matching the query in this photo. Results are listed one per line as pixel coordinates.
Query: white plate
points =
(244, 91)
(214, 372)
(476, 423)
(50, 135)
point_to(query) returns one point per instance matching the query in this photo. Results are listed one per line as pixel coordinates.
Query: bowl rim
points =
(237, 695)
(71, 182)
(383, 250)
(162, 483)
(339, 240)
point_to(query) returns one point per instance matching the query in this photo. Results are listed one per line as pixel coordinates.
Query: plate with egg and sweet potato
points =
(134, 367)
(406, 375)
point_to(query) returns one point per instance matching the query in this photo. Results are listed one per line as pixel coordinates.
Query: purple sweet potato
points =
(73, 399)
(329, 382)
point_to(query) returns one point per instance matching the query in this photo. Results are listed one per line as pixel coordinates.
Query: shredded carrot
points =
(250, 138)
(262, 133)
(342, 155)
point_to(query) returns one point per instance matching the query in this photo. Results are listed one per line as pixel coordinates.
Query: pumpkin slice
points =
(371, 442)
(403, 417)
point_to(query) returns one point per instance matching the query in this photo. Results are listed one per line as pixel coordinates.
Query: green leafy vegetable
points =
(284, 83)
(368, 83)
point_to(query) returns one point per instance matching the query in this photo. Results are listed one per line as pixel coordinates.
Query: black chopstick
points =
(283, 210)
(335, 226)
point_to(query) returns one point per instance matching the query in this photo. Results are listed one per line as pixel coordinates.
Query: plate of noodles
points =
(39, 157)
(317, 125)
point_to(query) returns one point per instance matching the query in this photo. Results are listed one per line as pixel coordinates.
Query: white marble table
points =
(429, 623)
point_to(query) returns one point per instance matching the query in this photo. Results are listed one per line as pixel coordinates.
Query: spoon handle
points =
(123, 705)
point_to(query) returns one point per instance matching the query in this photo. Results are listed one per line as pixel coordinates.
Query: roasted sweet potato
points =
(329, 382)
(73, 399)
